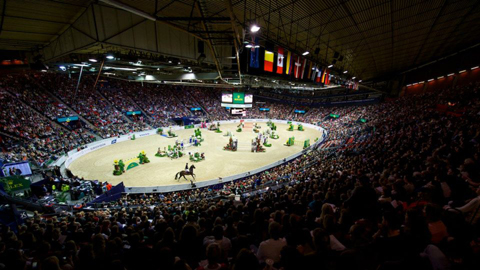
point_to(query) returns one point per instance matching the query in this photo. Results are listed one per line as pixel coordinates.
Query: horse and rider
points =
(187, 171)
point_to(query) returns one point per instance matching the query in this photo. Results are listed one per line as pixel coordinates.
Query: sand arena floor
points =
(98, 165)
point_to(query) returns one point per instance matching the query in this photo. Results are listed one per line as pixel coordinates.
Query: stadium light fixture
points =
(63, 68)
(257, 46)
(441, 77)
(305, 53)
(170, 61)
(359, 80)
(422, 82)
(254, 28)
(110, 57)
(353, 78)
(462, 71)
(345, 72)
(474, 67)
(414, 83)
(451, 74)
(248, 46)
(408, 85)
(92, 60)
(430, 80)
(330, 66)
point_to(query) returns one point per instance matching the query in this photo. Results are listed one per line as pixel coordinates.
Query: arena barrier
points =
(73, 155)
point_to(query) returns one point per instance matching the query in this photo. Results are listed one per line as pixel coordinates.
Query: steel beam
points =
(193, 19)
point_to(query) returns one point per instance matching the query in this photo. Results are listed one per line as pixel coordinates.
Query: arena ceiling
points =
(375, 38)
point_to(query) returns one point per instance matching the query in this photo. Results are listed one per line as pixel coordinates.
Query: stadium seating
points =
(382, 195)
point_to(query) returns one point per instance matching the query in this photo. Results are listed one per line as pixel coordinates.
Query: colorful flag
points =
(268, 64)
(289, 63)
(310, 67)
(254, 52)
(304, 66)
(314, 72)
(280, 61)
(324, 74)
(298, 67)
(319, 74)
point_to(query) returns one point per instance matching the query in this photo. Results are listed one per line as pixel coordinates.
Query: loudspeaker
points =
(269, 46)
(317, 50)
(201, 57)
(335, 55)
(201, 47)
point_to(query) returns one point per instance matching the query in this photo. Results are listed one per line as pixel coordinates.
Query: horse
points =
(183, 173)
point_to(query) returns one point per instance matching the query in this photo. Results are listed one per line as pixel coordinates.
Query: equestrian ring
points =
(150, 160)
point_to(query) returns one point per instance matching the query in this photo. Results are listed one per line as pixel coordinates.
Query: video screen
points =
(227, 97)
(248, 98)
(20, 168)
(241, 112)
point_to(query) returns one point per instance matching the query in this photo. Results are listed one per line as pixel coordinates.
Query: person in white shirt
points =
(270, 249)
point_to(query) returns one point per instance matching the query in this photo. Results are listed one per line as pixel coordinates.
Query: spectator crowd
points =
(398, 191)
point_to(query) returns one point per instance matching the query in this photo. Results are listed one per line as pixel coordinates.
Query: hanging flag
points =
(310, 67)
(327, 80)
(298, 67)
(314, 72)
(268, 64)
(319, 74)
(254, 52)
(324, 73)
(280, 60)
(304, 66)
(289, 63)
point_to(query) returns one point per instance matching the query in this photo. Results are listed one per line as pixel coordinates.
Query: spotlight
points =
(305, 53)
(110, 57)
(353, 78)
(346, 71)
(330, 66)
(92, 60)
(254, 28)
(462, 71)
(359, 80)
(63, 68)
(451, 74)
(248, 46)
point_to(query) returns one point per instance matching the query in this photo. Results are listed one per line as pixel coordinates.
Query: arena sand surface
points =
(98, 165)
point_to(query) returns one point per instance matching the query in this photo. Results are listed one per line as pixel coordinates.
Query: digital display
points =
(334, 115)
(241, 112)
(299, 111)
(19, 168)
(134, 113)
(227, 97)
(67, 119)
(238, 98)
(196, 109)
(248, 98)
(264, 109)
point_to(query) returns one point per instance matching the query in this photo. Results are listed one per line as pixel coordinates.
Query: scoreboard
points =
(237, 99)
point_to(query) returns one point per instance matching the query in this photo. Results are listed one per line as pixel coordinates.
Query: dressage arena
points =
(98, 165)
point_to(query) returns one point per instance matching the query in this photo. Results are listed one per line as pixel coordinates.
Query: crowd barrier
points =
(73, 155)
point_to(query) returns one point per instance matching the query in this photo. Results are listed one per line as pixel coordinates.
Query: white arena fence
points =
(74, 154)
